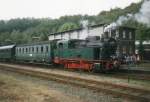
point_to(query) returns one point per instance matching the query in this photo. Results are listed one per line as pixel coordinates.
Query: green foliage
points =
(16, 36)
(43, 37)
(142, 31)
(67, 26)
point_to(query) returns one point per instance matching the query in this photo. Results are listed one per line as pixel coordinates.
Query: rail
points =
(127, 92)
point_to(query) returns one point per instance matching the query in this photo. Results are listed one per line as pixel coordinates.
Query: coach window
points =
(26, 50)
(37, 49)
(46, 48)
(32, 49)
(41, 49)
(22, 50)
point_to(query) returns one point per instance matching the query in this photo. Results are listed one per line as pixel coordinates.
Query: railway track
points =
(131, 76)
(120, 74)
(119, 90)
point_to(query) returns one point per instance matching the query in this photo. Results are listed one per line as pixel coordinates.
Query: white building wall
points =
(98, 31)
(80, 34)
(58, 36)
(83, 34)
(51, 37)
(63, 35)
(74, 35)
(66, 36)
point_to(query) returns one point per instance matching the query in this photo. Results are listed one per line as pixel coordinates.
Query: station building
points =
(125, 37)
(81, 33)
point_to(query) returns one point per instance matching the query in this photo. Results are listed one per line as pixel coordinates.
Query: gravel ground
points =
(134, 83)
(58, 92)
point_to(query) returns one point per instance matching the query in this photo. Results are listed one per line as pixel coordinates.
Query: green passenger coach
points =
(35, 52)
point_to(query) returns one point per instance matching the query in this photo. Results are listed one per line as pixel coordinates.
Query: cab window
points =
(60, 45)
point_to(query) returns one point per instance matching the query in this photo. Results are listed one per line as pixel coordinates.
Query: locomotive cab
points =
(104, 49)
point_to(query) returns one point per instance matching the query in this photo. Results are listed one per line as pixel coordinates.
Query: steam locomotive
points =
(92, 54)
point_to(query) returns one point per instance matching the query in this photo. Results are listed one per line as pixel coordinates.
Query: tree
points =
(16, 37)
(43, 37)
(68, 26)
(143, 32)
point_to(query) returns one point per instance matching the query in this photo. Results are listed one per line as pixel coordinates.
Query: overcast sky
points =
(56, 8)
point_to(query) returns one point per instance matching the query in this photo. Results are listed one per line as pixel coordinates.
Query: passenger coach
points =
(35, 52)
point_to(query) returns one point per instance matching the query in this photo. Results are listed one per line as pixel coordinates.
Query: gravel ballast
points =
(55, 91)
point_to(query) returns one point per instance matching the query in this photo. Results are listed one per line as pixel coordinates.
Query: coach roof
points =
(6, 47)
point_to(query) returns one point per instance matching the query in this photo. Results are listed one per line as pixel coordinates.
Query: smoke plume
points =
(143, 16)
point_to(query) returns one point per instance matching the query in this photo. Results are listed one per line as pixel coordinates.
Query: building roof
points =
(127, 27)
(6, 47)
(34, 43)
(97, 25)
